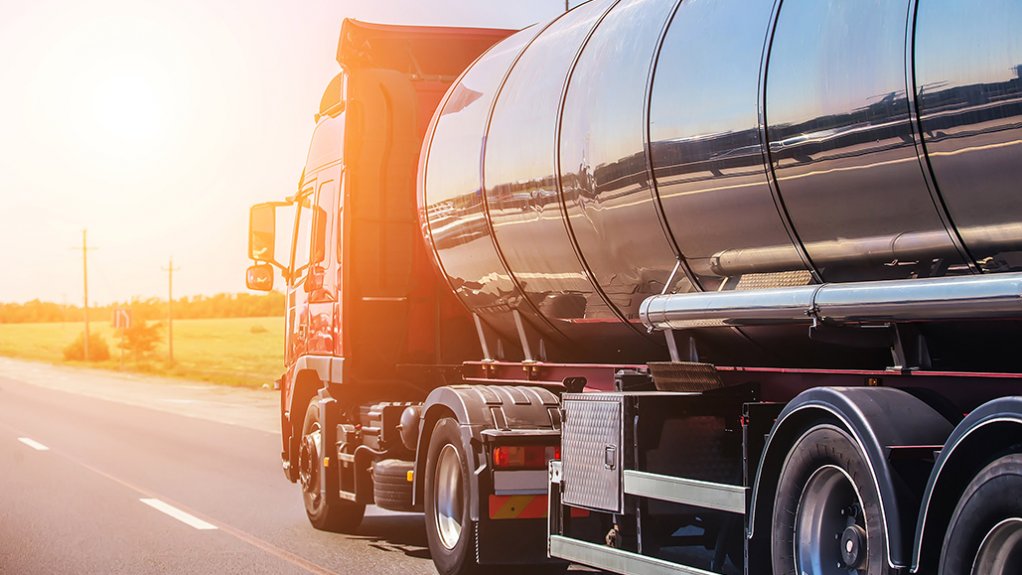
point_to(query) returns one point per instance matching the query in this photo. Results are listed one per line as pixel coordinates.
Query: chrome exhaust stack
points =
(956, 298)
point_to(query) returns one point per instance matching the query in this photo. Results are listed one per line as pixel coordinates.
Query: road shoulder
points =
(251, 408)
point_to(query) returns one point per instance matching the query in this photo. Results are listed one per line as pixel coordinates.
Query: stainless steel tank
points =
(631, 148)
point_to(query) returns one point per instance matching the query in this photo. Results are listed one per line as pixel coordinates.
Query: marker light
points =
(524, 457)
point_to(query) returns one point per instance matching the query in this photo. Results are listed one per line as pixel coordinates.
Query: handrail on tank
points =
(874, 302)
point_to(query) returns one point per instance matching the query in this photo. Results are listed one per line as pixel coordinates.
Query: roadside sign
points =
(122, 318)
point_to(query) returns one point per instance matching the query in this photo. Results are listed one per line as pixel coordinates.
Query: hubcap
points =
(1000, 553)
(448, 497)
(308, 465)
(853, 541)
(830, 528)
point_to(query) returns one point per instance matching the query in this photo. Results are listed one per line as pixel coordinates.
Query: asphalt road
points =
(108, 473)
(155, 482)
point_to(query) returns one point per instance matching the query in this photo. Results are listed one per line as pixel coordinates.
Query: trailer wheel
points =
(827, 516)
(325, 513)
(985, 533)
(449, 528)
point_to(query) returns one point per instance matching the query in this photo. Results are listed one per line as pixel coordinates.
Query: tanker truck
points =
(666, 286)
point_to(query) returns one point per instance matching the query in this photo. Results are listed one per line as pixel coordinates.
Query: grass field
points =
(236, 351)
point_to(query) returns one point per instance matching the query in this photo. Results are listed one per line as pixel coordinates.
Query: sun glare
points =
(126, 113)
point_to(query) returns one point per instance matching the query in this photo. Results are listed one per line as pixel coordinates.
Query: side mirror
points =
(259, 277)
(262, 228)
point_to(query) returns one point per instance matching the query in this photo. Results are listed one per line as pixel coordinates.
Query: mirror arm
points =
(276, 264)
(298, 272)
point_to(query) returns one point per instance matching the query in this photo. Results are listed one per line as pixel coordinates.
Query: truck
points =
(664, 286)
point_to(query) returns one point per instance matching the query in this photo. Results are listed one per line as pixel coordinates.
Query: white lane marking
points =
(176, 513)
(33, 444)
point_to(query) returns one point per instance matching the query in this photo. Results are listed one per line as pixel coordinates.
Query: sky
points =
(156, 124)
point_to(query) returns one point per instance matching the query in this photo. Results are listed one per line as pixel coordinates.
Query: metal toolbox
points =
(685, 435)
(592, 449)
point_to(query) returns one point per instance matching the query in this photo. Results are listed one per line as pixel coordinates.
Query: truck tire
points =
(324, 512)
(827, 516)
(985, 533)
(391, 488)
(449, 528)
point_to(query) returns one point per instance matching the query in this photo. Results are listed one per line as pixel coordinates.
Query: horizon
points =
(147, 299)
(156, 127)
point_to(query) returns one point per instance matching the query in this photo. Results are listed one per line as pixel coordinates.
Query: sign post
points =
(122, 321)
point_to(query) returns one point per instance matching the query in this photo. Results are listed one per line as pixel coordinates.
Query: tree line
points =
(195, 307)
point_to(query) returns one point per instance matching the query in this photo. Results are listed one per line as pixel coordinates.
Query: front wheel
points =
(448, 522)
(327, 513)
(827, 518)
(985, 533)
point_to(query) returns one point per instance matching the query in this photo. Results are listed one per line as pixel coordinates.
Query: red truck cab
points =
(363, 301)
(371, 330)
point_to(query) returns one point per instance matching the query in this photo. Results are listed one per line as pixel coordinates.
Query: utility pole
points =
(170, 269)
(85, 281)
(85, 285)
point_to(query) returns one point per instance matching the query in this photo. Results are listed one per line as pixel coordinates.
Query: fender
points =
(324, 368)
(876, 417)
(310, 375)
(477, 408)
(980, 437)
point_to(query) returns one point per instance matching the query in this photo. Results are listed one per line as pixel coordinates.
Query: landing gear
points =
(325, 509)
(827, 518)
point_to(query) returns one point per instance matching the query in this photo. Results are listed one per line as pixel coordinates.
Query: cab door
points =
(322, 279)
(297, 299)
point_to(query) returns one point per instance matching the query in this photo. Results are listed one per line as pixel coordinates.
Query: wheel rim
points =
(448, 497)
(1000, 553)
(830, 528)
(308, 465)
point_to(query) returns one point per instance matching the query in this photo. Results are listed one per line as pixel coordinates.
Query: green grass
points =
(235, 351)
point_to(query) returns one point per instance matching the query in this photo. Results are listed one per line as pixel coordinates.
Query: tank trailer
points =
(665, 286)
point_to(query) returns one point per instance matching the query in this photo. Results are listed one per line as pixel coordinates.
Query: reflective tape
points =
(523, 507)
